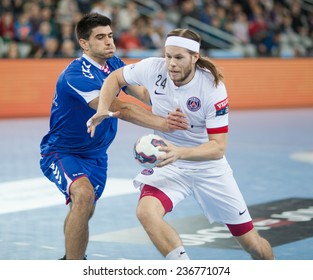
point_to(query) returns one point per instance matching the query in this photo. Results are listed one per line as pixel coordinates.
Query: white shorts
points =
(218, 195)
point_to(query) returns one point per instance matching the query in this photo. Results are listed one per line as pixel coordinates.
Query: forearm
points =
(211, 150)
(140, 116)
(108, 92)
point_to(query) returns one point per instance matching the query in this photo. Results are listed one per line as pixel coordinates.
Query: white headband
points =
(183, 43)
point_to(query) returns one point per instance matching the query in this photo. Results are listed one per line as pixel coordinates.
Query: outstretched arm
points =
(108, 106)
(138, 115)
(108, 91)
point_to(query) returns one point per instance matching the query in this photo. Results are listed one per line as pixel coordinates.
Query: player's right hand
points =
(97, 119)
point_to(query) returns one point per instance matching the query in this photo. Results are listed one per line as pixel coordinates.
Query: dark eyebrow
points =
(104, 34)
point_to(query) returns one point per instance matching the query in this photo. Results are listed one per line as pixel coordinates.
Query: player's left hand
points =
(172, 154)
(97, 119)
(177, 120)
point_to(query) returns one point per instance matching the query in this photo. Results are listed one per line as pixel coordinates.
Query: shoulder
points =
(80, 74)
(205, 74)
(208, 78)
(152, 64)
(157, 62)
(80, 68)
(75, 67)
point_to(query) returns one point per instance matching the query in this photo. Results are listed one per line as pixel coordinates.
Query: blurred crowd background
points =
(229, 28)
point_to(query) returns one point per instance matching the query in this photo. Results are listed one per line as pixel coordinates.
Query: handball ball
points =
(146, 150)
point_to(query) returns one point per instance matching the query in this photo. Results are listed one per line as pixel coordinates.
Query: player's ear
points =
(83, 44)
(195, 57)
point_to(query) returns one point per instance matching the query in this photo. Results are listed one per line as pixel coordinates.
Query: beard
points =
(184, 76)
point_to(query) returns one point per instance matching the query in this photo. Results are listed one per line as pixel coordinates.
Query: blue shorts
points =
(64, 169)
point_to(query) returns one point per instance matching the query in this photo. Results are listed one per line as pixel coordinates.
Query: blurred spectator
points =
(277, 14)
(241, 28)
(126, 16)
(84, 6)
(23, 28)
(18, 6)
(187, 9)
(206, 14)
(299, 20)
(236, 10)
(130, 40)
(288, 37)
(6, 6)
(66, 11)
(7, 31)
(149, 37)
(67, 49)
(67, 32)
(305, 43)
(50, 49)
(222, 18)
(47, 15)
(51, 4)
(44, 32)
(162, 26)
(102, 8)
(258, 30)
(34, 11)
(12, 50)
(276, 27)
(76, 17)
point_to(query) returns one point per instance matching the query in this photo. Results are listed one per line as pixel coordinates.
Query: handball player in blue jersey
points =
(74, 161)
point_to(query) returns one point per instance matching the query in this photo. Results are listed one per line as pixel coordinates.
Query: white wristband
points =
(110, 114)
(88, 122)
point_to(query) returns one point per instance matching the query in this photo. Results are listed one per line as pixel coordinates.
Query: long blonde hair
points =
(202, 62)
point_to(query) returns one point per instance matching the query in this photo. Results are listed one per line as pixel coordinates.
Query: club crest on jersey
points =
(193, 104)
(147, 171)
(221, 107)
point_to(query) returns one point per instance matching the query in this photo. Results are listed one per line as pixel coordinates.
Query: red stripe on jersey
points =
(217, 130)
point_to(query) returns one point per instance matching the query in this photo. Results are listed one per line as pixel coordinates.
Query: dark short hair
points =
(88, 22)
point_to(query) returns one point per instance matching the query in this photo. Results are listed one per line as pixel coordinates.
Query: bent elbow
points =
(220, 152)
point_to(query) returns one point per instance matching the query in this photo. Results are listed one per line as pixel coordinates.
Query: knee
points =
(149, 209)
(83, 198)
(143, 213)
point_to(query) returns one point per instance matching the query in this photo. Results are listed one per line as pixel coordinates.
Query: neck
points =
(100, 61)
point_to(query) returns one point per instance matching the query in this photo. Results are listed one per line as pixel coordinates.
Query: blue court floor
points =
(270, 151)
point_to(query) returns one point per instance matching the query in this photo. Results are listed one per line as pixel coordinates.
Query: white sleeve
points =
(217, 116)
(139, 73)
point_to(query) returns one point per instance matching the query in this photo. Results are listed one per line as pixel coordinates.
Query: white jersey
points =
(205, 105)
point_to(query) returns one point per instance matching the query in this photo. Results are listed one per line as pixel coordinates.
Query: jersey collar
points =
(96, 64)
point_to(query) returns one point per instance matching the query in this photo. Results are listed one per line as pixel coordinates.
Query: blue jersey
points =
(77, 85)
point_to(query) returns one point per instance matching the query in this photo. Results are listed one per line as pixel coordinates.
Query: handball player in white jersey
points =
(195, 163)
